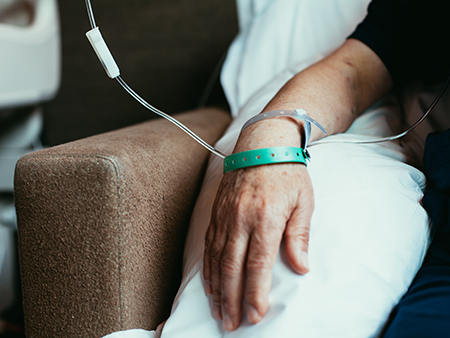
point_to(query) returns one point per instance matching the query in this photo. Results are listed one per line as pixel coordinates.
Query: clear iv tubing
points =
(170, 118)
(148, 105)
(392, 138)
(220, 154)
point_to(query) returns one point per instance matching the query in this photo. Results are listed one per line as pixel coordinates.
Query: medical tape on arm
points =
(299, 114)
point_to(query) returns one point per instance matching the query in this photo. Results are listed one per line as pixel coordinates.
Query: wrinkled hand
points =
(255, 208)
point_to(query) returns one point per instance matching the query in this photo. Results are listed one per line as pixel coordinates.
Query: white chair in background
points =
(30, 71)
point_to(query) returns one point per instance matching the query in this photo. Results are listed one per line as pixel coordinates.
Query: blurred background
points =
(166, 50)
(54, 90)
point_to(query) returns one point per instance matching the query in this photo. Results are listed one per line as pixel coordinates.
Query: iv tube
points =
(149, 106)
(220, 154)
(90, 14)
(392, 138)
(170, 118)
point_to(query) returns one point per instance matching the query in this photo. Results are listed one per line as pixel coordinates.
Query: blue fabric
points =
(425, 309)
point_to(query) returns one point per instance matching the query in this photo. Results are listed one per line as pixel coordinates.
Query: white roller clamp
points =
(104, 55)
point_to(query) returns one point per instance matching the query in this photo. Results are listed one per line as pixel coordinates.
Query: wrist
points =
(275, 132)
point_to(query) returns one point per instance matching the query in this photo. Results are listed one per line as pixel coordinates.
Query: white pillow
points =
(281, 35)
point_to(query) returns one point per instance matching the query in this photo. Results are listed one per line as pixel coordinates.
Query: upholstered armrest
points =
(102, 223)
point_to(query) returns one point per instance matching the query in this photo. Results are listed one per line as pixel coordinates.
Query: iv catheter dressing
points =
(99, 45)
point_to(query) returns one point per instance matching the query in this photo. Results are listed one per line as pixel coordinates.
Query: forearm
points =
(333, 92)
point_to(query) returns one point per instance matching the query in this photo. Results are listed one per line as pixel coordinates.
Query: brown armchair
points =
(102, 219)
(102, 223)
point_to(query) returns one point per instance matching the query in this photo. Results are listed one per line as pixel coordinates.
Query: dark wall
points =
(166, 50)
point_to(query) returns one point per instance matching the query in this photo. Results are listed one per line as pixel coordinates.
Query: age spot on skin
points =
(348, 62)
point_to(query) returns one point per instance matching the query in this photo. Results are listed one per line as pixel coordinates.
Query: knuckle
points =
(229, 306)
(227, 303)
(304, 237)
(241, 206)
(243, 199)
(215, 256)
(258, 263)
(255, 299)
(217, 298)
(207, 245)
(216, 284)
(264, 214)
(265, 237)
(298, 234)
(230, 267)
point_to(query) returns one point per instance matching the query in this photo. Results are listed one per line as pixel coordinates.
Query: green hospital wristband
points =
(257, 157)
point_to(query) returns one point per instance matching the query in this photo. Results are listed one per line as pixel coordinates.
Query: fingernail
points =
(217, 311)
(304, 259)
(252, 315)
(227, 323)
(208, 287)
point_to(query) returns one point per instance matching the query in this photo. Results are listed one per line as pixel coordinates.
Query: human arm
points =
(257, 207)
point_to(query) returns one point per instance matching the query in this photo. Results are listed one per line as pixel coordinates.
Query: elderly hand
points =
(254, 209)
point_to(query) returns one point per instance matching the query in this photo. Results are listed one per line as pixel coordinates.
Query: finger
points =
(296, 235)
(216, 249)
(214, 243)
(232, 281)
(209, 237)
(261, 257)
